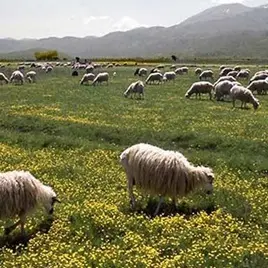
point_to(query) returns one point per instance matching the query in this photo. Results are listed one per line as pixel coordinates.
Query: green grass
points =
(70, 137)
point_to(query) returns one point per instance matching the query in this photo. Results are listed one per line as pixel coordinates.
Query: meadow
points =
(70, 137)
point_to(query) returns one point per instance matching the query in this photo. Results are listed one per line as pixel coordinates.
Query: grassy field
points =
(70, 137)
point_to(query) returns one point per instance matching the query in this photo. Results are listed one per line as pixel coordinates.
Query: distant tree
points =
(174, 58)
(46, 55)
(77, 59)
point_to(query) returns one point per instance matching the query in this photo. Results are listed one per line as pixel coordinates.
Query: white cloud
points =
(126, 23)
(93, 18)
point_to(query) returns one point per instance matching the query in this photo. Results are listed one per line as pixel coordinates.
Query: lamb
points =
(225, 71)
(86, 78)
(136, 87)
(89, 69)
(168, 76)
(261, 86)
(31, 76)
(17, 76)
(223, 89)
(200, 87)
(198, 71)
(243, 74)
(244, 95)
(165, 173)
(100, 78)
(205, 75)
(158, 77)
(3, 78)
(141, 72)
(20, 194)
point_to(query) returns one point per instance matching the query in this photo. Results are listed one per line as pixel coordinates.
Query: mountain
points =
(225, 30)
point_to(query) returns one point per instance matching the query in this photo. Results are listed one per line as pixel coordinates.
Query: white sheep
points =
(154, 77)
(244, 95)
(222, 67)
(261, 86)
(18, 77)
(49, 69)
(179, 71)
(185, 70)
(3, 78)
(243, 74)
(31, 76)
(223, 89)
(233, 74)
(163, 173)
(100, 78)
(135, 87)
(237, 68)
(259, 76)
(141, 72)
(200, 87)
(20, 194)
(225, 71)
(89, 69)
(169, 76)
(173, 67)
(110, 65)
(225, 78)
(198, 71)
(206, 75)
(86, 78)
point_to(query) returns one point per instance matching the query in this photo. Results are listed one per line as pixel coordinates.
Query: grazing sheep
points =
(173, 67)
(89, 69)
(198, 71)
(155, 70)
(21, 68)
(225, 71)
(160, 66)
(110, 65)
(3, 78)
(259, 76)
(168, 76)
(261, 86)
(20, 194)
(31, 76)
(225, 78)
(135, 87)
(200, 87)
(49, 69)
(165, 173)
(185, 70)
(86, 78)
(223, 89)
(158, 77)
(237, 68)
(222, 67)
(74, 73)
(100, 78)
(206, 75)
(179, 71)
(243, 74)
(233, 74)
(141, 72)
(18, 77)
(244, 95)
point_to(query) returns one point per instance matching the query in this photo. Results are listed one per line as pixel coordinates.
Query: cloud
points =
(94, 18)
(126, 23)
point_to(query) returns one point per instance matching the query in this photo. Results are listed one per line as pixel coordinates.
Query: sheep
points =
(114, 74)
(200, 87)
(20, 194)
(74, 73)
(31, 76)
(49, 69)
(261, 86)
(233, 74)
(243, 74)
(222, 67)
(17, 76)
(101, 77)
(237, 68)
(135, 87)
(225, 71)
(110, 65)
(141, 72)
(86, 78)
(155, 70)
(160, 172)
(89, 69)
(168, 76)
(3, 78)
(173, 67)
(179, 71)
(244, 95)
(21, 68)
(259, 76)
(205, 75)
(225, 78)
(185, 70)
(223, 88)
(154, 77)
(198, 71)
(160, 66)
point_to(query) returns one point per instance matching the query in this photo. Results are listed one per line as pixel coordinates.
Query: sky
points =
(40, 19)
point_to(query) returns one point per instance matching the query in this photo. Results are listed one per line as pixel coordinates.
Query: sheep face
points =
(49, 200)
(256, 104)
(208, 186)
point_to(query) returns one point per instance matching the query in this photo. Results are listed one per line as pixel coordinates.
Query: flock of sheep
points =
(153, 170)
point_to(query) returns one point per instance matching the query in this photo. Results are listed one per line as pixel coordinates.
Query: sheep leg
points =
(11, 228)
(174, 202)
(233, 103)
(159, 205)
(130, 191)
